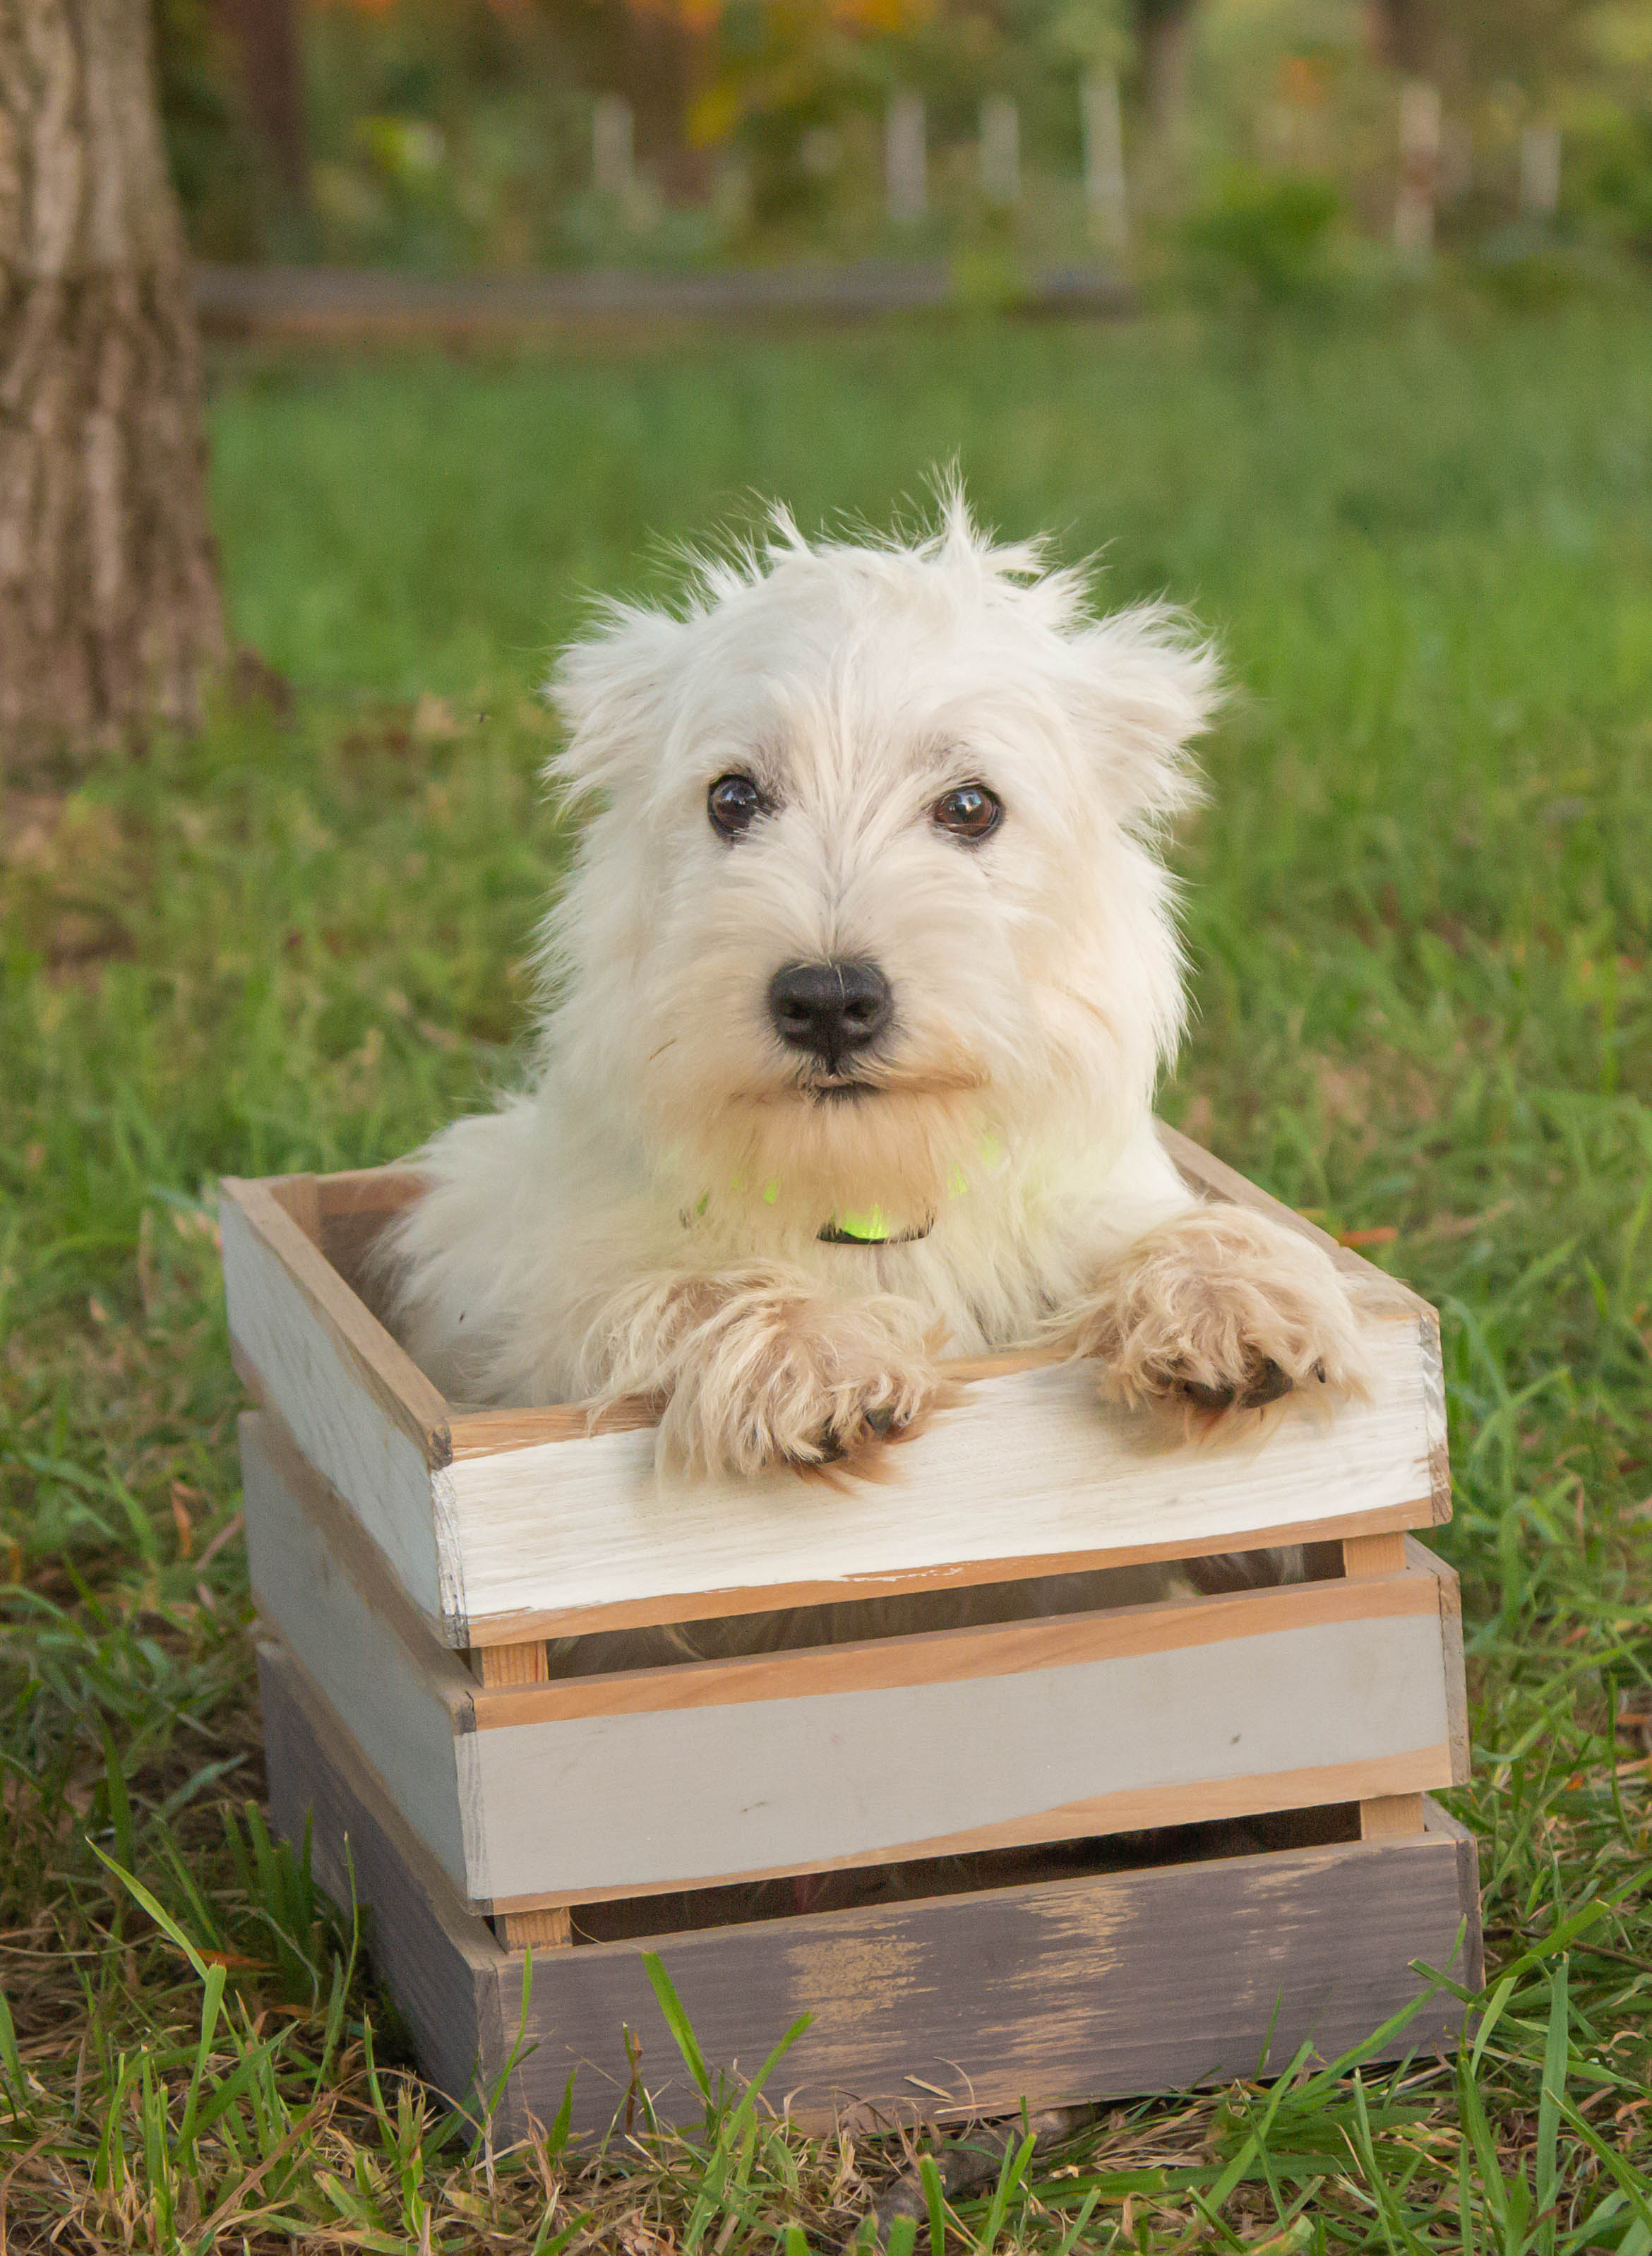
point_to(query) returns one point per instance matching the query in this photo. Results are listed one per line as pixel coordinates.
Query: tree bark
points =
(109, 611)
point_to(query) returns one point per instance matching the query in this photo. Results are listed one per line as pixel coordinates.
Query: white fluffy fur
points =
(645, 1217)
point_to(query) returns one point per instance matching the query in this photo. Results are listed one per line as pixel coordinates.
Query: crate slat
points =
(581, 1534)
(403, 1692)
(938, 2008)
(891, 1749)
(362, 1411)
(506, 1526)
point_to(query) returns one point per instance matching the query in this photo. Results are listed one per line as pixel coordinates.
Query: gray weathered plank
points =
(1099, 1986)
(442, 1967)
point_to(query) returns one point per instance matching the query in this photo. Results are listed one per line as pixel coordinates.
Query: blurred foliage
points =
(461, 133)
(214, 158)
(1265, 234)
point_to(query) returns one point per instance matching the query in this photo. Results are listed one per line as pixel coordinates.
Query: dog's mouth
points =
(840, 1088)
(830, 1089)
(851, 1088)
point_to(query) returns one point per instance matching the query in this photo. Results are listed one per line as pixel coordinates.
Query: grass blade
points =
(676, 2021)
(930, 2178)
(1552, 2093)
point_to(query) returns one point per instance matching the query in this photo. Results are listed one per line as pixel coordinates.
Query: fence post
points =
(999, 152)
(612, 159)
(1104, 190)
(904, 160)
(1419, 170)
(1540, 171)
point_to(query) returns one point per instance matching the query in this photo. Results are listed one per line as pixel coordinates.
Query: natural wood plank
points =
(1364, 1556)
(580, 1534)
(950, 1656)
(378, 1191)
(548, 1929)
(1390, 1814)
(1100, 1986)
(489, 1432)
(355, 1208)
(501, 1666)
(299, 1196)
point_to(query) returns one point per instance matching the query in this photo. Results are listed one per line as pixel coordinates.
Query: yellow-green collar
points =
(870, 1225)
(870, 1228)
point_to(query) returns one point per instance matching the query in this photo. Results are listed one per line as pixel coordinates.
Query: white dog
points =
(857, 997)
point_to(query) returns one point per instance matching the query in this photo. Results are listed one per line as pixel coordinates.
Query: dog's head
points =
(871, 888)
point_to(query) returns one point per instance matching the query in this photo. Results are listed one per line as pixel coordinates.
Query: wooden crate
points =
(410, 1558)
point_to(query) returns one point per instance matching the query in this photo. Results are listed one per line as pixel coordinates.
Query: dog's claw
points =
(878, 1425)
(1270, 1382)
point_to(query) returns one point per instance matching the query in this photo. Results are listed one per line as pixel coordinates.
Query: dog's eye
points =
(734, 803)
(970, 812)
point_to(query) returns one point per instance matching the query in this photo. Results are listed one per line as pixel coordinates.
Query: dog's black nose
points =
(830, 1010)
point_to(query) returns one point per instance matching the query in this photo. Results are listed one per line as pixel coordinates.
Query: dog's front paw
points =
(772, 1374)
(1219, 1310)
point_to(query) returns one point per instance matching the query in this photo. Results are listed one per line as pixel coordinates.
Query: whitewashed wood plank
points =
(837, 1777)
(402, 1712)
(1026, 1474)
(689, 1795)
(309, 1376)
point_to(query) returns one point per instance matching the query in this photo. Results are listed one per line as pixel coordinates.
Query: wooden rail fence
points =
(341, 303)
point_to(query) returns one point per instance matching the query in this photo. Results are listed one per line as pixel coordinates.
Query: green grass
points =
(1420, 906)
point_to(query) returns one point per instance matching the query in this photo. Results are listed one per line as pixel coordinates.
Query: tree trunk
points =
(665, 62)
(1164, 30)
(266, 35)
(1403, 33)
(110, 612)
(1164, 37)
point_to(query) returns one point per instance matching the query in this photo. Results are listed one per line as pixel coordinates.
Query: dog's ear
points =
(1145, 687)
(613, 690)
